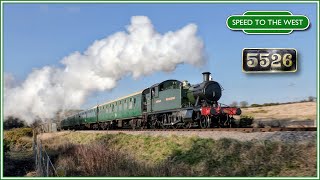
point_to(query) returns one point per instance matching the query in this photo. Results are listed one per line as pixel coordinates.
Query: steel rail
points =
(245, 130)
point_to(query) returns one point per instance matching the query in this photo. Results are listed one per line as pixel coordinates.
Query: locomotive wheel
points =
(160, 125)
(139, 124)
(152, 125)
(203, 123)
(95, 126)
(187, 125)
(103, 126)
(176, 126)
(133, 126)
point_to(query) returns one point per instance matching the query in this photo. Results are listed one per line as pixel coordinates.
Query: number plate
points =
(258, 60)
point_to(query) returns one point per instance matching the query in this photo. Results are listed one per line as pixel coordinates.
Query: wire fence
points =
(43, 164)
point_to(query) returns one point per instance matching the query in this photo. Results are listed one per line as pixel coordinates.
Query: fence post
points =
(47, 166)
(34, 148)
(41, 159)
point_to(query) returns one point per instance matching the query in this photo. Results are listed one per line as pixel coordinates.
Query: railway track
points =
(245, 130)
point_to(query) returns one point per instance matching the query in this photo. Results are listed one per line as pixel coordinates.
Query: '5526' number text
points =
(269, 60)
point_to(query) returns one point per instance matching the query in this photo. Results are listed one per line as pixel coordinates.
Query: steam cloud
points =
(138, 52)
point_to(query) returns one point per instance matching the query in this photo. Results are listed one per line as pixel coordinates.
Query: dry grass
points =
(19, 139)
(128, 155)
(99, 160)
(285, 115)
(294, 111)
(98, 154)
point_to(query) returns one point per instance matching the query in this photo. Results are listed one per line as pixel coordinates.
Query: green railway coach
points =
(113, 113)
(124, 108)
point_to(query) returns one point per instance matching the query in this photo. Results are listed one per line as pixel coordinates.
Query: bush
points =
(255, 105)
(13, 122)
(311, 98)
(258, 124)
(19, 138)
(85, 160)
(265, 104)
(246, 121)
(194, 157)
(270, 104)
(6, 145)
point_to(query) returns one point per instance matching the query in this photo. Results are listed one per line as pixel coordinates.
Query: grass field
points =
(294, 114)
(141, 155)
(294, 111)
(103, 154)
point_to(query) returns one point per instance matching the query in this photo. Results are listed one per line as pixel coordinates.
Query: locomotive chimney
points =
(206, 76)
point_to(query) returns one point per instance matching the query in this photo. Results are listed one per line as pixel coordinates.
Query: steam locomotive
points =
(169, 104)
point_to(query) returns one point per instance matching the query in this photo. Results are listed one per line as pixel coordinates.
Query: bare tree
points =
(244, 104)
(311, 98)
(36, 123)
(234, 104)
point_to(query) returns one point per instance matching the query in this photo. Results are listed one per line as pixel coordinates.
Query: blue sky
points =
(36, 35)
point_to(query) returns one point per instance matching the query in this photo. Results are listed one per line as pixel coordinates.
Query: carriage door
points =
(97, 112)
(146, 98)
(144, 102)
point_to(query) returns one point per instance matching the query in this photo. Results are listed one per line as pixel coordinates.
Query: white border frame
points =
(160, 2)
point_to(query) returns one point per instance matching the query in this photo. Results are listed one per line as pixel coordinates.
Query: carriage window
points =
(130, 104)
(134, 102)
(125, 105)
(120, 106)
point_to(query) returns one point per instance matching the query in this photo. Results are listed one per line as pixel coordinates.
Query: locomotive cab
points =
(162, 96)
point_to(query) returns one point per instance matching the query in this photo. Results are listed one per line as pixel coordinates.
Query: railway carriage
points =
(169, 104)
(120, 112)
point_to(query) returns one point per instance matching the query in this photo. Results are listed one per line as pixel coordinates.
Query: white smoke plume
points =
(139, 51)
